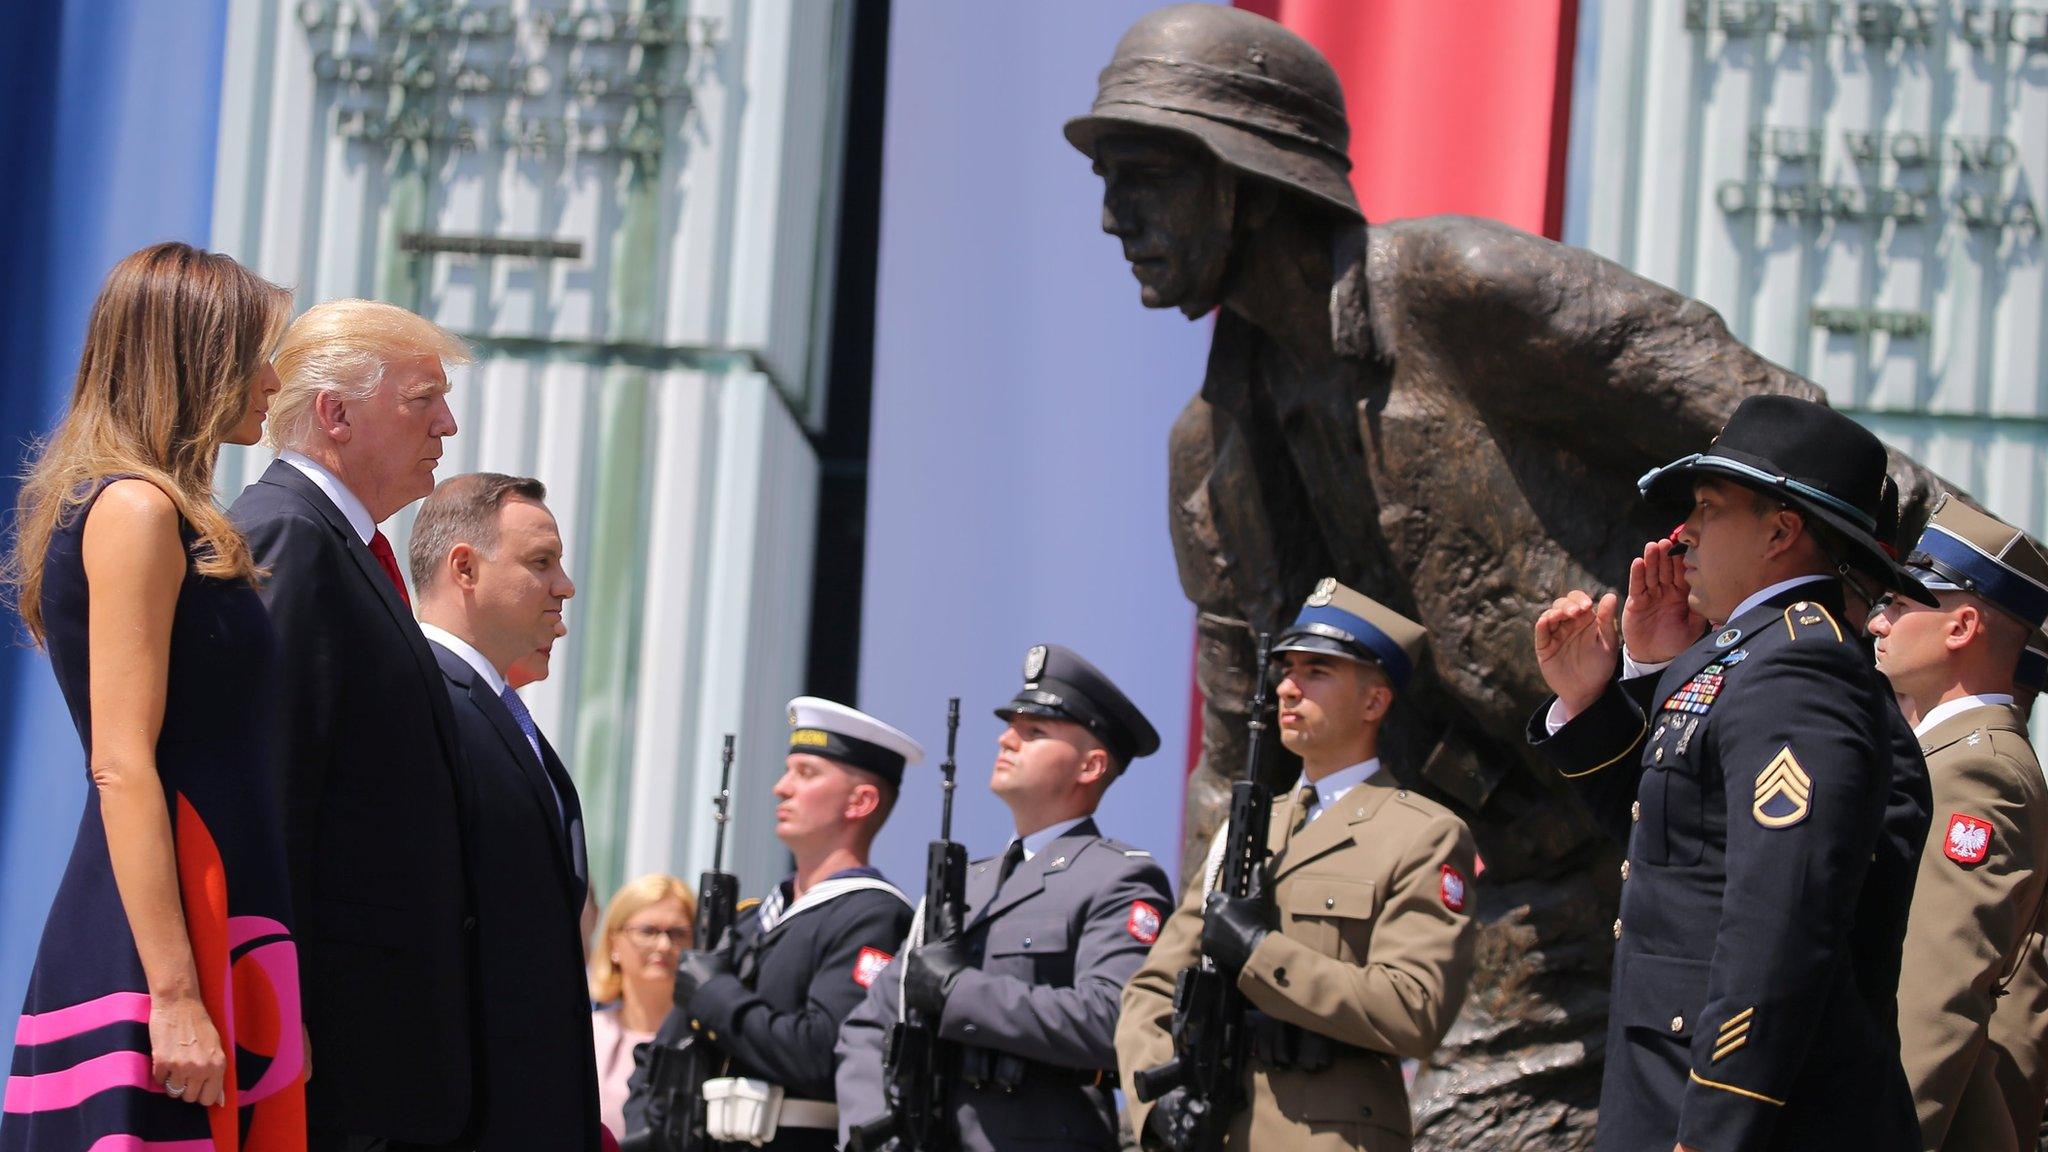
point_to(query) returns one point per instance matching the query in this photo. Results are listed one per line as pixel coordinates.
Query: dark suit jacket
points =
(367, 763)
(530, 873)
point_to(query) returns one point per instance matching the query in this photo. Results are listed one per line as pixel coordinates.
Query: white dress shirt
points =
(358, 514)
(1332, 788)
(1960, 704)
(470, 656)
(496, 680)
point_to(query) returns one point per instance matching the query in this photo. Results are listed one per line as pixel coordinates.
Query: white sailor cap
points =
(824, 728)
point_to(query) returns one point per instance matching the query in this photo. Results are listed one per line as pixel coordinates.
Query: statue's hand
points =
(1657, 622)
(1577, 648)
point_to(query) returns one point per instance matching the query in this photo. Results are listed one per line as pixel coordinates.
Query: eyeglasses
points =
(647, 936)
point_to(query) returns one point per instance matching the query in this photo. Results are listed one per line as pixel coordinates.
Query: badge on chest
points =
(1700, 692)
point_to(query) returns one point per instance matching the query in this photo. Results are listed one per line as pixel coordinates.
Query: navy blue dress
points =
(81, 1073)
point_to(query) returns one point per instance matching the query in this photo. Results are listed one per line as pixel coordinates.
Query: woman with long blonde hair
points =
(164, 1009)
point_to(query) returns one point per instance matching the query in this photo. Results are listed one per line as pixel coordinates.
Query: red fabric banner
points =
(1455, 105)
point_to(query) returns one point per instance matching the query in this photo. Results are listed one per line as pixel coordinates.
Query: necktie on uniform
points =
(1305, 799)
(1311, 803)
(380, 547)
(1012, 856)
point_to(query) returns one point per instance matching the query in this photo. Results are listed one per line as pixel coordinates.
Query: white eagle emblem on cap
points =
(1034, 662)
(1324, 590)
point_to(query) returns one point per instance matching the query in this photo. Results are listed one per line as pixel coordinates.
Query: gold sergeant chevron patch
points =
(1733, 1035)
(1783, 793)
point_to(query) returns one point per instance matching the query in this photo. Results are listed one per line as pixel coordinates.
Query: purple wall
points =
(1022, 400)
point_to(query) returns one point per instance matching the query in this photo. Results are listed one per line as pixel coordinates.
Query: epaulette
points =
(747, 905)
(1126, 849)
(1805, 619)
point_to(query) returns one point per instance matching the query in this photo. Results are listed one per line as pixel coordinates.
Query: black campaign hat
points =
(1807, 455)
(1061, 685)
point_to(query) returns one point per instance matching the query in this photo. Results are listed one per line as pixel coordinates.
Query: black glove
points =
(1170, 1126)
(1232, 927)
(931, 972)
(695, 969)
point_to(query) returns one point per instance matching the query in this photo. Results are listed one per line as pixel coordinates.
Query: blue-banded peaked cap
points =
(1059, 684)
(1345, 622)
(1964, 549)
(1807, 455)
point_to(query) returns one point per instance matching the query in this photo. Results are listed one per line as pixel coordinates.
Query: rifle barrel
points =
(946, 768)
(722, 806)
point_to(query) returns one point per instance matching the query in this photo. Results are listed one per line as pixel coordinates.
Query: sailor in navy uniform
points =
(1055, 926)
(1772, 801)
(772, 996)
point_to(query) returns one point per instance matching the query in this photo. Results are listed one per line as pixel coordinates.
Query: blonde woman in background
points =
(633, 977)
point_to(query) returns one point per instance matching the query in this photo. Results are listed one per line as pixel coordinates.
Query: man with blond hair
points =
(366, 743)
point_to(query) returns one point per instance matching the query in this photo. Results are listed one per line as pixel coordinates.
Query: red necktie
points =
(381, 549)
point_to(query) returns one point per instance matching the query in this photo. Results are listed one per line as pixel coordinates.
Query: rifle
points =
(676, 1072)
(1210, 1037)
(917, 1066)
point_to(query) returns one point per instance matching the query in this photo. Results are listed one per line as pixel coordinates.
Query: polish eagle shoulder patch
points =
(1784, 792)
(868, 965)
(1968, 840)
(1452, 889)
(1144, 921)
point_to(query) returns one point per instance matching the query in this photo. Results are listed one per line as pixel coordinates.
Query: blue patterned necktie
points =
(523, 718)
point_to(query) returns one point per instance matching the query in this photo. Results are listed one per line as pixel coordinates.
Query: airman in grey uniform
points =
(1054, 926)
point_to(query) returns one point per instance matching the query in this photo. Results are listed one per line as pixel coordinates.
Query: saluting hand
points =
(1578, 648)
(1657, 620)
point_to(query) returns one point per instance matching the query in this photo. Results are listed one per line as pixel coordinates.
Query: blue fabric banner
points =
(108, 119)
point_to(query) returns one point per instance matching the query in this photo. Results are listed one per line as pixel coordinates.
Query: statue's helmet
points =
(1259, 97)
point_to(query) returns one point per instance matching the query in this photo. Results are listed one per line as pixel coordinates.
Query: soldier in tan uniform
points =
(2019, 1029)
(1978, 898)
(1359, 949)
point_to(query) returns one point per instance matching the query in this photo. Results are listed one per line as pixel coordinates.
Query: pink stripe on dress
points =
(125, 1143)
(59, 1023)
(55, 1091)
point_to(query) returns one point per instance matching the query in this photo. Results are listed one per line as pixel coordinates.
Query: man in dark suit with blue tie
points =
(365, 739)
(487, 562)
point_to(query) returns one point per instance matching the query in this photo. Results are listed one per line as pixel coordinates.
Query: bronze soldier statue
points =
(1470, 407)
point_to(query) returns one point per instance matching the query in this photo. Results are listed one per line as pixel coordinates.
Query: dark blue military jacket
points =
(1774, 803)
(777, 1015)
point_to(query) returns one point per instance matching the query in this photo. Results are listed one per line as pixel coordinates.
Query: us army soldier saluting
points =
(1772, 801)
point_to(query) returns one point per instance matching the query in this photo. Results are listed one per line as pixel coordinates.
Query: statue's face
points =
(1173, 206)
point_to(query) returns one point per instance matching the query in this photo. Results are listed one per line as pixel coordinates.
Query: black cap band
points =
(1054, 699)
(849, 750)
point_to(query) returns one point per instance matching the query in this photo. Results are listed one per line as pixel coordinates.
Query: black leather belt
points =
(1292, 1048)
(989, 1069)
